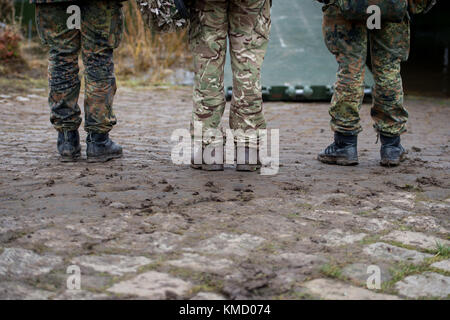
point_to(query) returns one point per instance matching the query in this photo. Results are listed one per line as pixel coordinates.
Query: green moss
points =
(370, 239)
(332, 270)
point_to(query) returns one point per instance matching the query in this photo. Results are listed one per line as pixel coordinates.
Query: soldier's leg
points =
(101, 33)
(64, 83)
(208, 43)
(348, 42)
(249, 36)
(389, 46)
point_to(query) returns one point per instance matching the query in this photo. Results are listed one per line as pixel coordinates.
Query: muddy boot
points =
(197, 154)
(343, 151)
(100, 148)
(392, 152)
(69, 145)
(243, 161)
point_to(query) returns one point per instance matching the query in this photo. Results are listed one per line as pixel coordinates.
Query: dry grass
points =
(147, 54)
(143, 58)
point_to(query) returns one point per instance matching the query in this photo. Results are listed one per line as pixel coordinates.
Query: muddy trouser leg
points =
(348, 42)
(64, 83)
(101, 32)
(208, 43)
(390, 46)
(249, 36)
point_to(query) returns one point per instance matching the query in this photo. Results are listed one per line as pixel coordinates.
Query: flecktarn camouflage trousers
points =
(348, 41)
(246, 23)
(100, 33)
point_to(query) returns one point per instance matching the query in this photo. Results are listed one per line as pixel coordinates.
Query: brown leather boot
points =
(198, 160)
(247, 159)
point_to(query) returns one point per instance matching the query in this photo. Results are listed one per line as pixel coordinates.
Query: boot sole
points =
(393, 163)
(69, 159)
(73, 158)
(248, 167)
(208, 167)
(103, 158)
(337, 161)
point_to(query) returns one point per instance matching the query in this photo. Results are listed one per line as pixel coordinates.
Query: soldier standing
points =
(348, 41)
(99, 34)
(246, 23)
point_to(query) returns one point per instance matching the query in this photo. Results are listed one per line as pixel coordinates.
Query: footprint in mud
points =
(432, 181)
(168, 188)
(211, 187)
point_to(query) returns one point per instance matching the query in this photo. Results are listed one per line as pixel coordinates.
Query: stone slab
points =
(389, 252)
(426, 285)
(153, 285)
(334, 290)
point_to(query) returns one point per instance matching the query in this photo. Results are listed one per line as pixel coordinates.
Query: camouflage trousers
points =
(348, 41)
(246, 23)
(100, 33)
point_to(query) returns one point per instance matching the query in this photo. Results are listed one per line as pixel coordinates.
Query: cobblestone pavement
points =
(141, 227)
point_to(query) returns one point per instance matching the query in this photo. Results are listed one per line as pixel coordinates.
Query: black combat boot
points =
(197, 161)
(392, 152)
(243, 161)
(100, 148)
(343, 151)
(69, 145)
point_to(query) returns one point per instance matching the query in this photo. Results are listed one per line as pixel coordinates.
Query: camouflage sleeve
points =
(58, 1)
(49, 1)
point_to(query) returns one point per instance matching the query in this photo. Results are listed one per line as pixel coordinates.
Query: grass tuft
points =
(148, 55)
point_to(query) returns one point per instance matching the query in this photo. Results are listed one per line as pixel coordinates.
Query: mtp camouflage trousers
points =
(246, 24)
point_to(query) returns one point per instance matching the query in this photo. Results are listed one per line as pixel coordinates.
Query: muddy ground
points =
(142, 227)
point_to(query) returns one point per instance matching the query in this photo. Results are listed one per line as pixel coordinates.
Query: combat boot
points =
(69, 145)
(100, 148)
(392, 152)
(197, 154)
(247, 159)
(343, 151)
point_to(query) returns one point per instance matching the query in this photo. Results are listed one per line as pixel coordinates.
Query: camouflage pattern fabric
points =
(50, 1)
(391, 10)
(420, 6)
(246, 23)
(348, 41)
(100, 33)
(57, 1)
(161, 15)
(6, 11)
